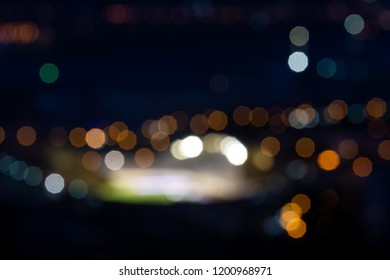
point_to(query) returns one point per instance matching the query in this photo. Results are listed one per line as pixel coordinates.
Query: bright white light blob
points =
(54, 183)
(354, 24)
(175, 150)
(114, 160)
(191, 147)
(235, 152)
(298, 61)
(175, 184)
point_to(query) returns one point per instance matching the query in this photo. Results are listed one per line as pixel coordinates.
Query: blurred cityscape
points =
(194, 129)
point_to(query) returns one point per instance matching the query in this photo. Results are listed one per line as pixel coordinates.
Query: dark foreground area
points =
(34, 226)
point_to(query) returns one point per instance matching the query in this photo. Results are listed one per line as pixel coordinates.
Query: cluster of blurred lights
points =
(160, 132)
(204, 11)
(189, 147)
(291, 213)
(54, 183)
(327, 68)
(258, 117)
(298, 60)
(18, 33)
(192, 146)
(305, 116)
(263, 157)
(19, 170)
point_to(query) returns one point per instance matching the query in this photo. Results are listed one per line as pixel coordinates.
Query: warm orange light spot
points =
(2, 135)
(242, 115)
(270, 146)
(167, 124)
(115, 129)
(26, 135)
(288, 212)
(337, 110)
(27, 33)
(22, 33)
(77, 137)
(292, 207)
(305, 147)
(384, 149)
(218, 120)
(95, 138)
(199, 124)
(259, 117)
(144, 158)
(91, 160)
(376, 107)
(58, 136)
(362, 166)
(127, 140)
(109, 140)
(328, 160)
(296, 228)
(287, 216)
(122, 135)
(303, 201)
(160, 141)
(348, 149)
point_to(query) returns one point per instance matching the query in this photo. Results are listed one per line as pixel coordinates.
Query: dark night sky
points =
(110, 71)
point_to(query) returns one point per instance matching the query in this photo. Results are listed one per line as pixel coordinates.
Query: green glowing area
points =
(114, 193)
(49, 73)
